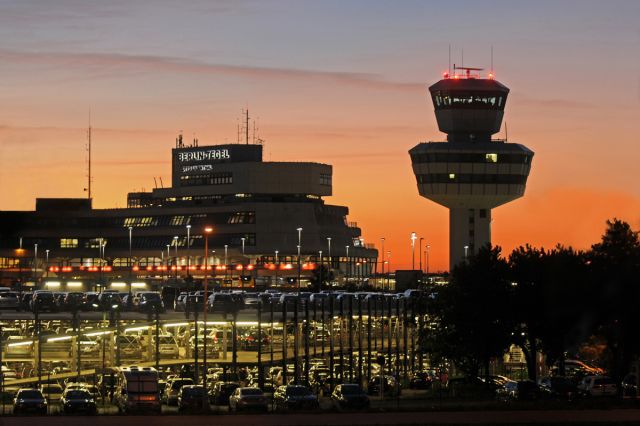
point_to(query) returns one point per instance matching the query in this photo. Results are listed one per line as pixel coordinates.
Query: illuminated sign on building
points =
(204, 155)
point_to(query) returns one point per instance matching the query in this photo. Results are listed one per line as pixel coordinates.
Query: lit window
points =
(452, 175)
(491, 158)
(68, 242)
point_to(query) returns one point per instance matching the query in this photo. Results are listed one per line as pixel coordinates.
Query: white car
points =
(598, 386)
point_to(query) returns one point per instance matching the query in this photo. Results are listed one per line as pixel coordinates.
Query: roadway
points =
(523, 417)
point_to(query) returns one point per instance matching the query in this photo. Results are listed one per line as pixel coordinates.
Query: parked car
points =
(9, 300)
(349, 396)
(225, 302)
(295, 397)
(598, 386)
(108, 300)
(558, 387)
(221, 392)
(421, 380)
(167, 346)
(28, 400)
(630, 386)
(51, 391)
(78, 400)
(248, 398)
(150, 302)
(390, 386)
(523, 390)
(43, 301)
(192, 398)
(129, 346)
(171, 391)
(179, 303)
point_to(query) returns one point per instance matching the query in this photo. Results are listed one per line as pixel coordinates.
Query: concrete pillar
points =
(467, 227)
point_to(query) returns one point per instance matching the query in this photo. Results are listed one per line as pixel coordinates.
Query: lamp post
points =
(175, 243)
(226, 249)
(426, 254)
(388, 270)
(420, 251)
(46, 266)
(207, 231)
(320, 283)
(329, 251)
(189, 250)
(35, 262)
(299, 248)
(242, 271)
(276, 283)
(413, 250)
(130, 261)
(347, 267)
(382, 259)
(466, 252)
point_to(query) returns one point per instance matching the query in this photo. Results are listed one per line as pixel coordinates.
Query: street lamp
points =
(347, 267)
(189, 248)
(46, 266)
(420, 251)
(382, 240)
(413, 250)
(130, 262)
(175, 242)
(329, 251)
(320, 284)
(426, 254)
(226, 247)
(277, 264)
(466, 252)
(299, 247)
(388, 269)
(207, 231)
(35, 262)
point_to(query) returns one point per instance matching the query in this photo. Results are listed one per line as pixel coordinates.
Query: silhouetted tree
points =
(527, 265)
(320, 277)
(473, 313)
(615, 262)
(566, 305)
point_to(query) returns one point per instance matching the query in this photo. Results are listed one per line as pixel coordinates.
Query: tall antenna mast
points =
(246, 126)
(449, 58)
(89, 159)
(492, 59)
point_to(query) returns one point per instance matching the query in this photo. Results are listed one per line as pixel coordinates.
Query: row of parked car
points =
(49, 301)
(73, 398)
(229, 301)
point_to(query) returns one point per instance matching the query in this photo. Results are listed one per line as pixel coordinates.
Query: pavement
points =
(525, 417)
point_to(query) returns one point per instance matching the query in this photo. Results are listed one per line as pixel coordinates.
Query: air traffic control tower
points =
(470, 173)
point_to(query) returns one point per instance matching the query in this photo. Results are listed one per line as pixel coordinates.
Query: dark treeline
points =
(550, 301)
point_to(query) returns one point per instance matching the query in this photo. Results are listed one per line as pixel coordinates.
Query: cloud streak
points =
(118, 64)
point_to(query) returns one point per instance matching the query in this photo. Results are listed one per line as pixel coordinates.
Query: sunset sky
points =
(341, 82)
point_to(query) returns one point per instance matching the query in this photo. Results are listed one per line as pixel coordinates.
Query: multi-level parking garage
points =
(353, 335)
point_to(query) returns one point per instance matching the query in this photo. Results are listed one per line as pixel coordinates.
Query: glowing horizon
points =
(349, 89)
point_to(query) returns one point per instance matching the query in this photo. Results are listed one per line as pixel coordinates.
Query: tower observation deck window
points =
(472, 178)
(484, 100)
(491, 158)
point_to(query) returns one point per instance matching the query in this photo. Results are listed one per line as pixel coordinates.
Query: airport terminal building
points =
(262, 214)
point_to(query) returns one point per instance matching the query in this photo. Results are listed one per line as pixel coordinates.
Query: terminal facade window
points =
(68, 242)
(222, 178)
(325, 179)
